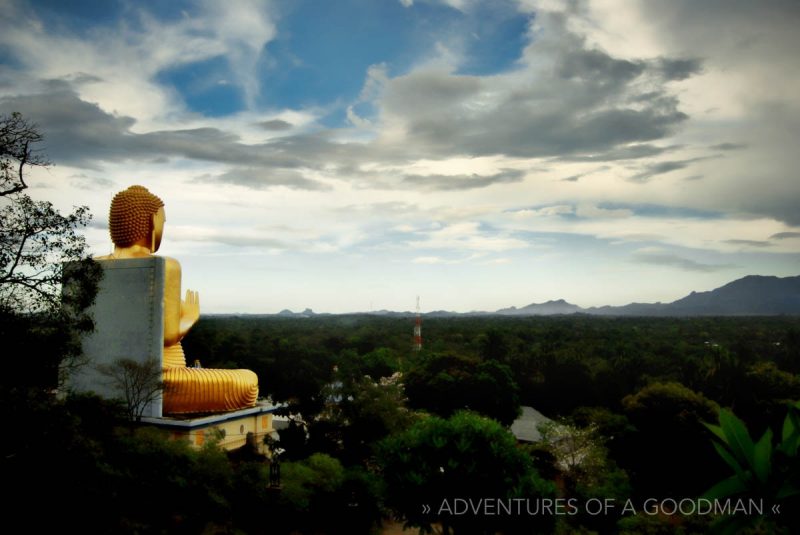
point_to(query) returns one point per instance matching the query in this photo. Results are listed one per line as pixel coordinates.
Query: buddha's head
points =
(136, 218)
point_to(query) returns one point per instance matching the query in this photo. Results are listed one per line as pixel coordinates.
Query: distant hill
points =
(542, 309)
(307, 313)
(753, 295)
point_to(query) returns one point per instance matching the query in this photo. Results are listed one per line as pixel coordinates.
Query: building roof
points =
(525, 428)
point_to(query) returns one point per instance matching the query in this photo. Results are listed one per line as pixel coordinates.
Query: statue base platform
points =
(232, 429)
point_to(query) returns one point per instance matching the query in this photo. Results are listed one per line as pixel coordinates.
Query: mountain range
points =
(753, 295)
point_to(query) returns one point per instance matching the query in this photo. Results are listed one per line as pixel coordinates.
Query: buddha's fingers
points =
(192, 298)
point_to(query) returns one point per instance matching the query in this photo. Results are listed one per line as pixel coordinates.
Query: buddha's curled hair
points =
(130, 216)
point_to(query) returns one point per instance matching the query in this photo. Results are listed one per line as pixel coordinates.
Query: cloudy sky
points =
(351, 155)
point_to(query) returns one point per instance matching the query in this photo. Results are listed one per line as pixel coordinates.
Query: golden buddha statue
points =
(136, 223)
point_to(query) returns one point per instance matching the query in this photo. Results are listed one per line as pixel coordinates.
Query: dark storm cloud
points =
(629, 152)
(570, 101)
(91, 182)
(729, 146)
(575, 178)
(676, 261)
(749, 243)
(275, 124)
(265, 178)
(780, 204)
(752, 47)
(661, 168)
(74, 79)
(75, 131)
(445, 115)
(81, 134)
(784, 235)
(712, 26)
(463, 182)
(678, 69)
(583, 64)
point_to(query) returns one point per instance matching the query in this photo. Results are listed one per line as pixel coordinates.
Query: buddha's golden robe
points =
(193, 390)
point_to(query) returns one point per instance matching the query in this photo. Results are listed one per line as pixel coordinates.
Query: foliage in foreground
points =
(767, 470)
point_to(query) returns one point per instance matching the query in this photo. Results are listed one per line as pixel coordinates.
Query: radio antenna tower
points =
(418, 330)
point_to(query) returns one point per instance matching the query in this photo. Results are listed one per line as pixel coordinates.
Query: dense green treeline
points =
(558, 363)
(636, 389)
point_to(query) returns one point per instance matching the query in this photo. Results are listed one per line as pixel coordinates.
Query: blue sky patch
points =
(494, 40)
(206, 87)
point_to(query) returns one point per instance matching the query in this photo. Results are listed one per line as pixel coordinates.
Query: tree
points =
(668, 418)
(358, 413)
(768, 390)
(36, 244)
(315, 491)
(310, 480)
(139, 383)
(585, 469)
(466, 457)
(577, 450)
(444, 384)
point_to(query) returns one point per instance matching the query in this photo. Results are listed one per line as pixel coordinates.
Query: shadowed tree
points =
(139, 383)
(669, 417)
(358, 413)
(444, 384)
(36, 243)
(466, 457)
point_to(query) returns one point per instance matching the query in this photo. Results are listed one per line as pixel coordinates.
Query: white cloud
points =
(245, 27)
(125, 60)
(545, 211)
(428, 260)
(497, 261)
(468, 236)
(592, 211)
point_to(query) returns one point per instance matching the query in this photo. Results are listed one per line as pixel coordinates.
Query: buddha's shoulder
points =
(171, 264)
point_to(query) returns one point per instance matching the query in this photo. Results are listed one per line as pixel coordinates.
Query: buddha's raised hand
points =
(190, 310)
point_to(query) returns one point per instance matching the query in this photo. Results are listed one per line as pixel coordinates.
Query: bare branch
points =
(17, 136)
(23, 160)
(17, 257)
(139, 383)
